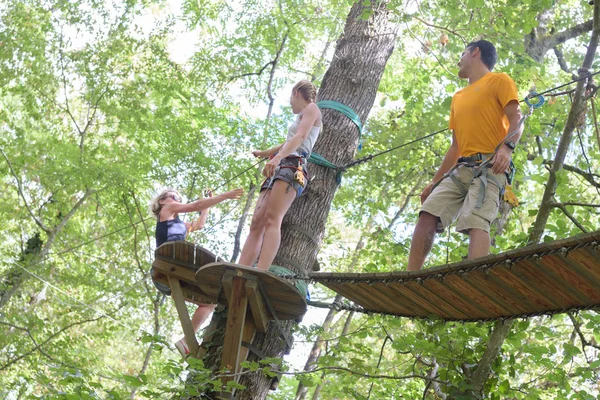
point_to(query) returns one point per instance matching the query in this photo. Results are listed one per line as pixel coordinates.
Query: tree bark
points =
(352, 79)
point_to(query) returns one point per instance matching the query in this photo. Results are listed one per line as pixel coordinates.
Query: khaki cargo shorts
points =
(449, 203)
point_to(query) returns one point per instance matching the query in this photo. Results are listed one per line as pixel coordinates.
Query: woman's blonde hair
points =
(307, 90)
(155, 206)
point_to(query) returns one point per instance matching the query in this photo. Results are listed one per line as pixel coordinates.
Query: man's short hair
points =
(488, 52)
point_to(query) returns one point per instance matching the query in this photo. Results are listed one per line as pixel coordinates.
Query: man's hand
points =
(501, 159)
(269, 169)
(426, 192)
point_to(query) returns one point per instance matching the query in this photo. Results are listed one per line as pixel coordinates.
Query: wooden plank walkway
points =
(540, 279)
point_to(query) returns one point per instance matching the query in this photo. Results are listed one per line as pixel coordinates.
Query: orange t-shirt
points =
(477, 113)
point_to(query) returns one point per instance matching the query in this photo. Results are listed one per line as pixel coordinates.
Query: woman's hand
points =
(233, 194)
(269, 169)
(260, 153)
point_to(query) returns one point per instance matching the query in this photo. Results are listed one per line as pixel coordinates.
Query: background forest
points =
(103, 103)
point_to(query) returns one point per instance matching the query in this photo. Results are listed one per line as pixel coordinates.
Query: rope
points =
(317, 159)
(532, 95)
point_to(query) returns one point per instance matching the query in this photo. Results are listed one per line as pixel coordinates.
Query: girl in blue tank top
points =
(166, 207)
(286, 178)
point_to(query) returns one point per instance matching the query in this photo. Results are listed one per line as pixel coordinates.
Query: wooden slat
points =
(445, 309)
(503, 294)
(404, 304)
(247, 337)
(514, 277)
(479, 297)
(184, 317)
(535, 273)
(589, 259)
(418, 298)
(578, 279)
(453, 296)
(260, 315)
(377, 302)
(234, 329)
(361, 297)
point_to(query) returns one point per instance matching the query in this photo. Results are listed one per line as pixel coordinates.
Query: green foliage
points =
(96, 114)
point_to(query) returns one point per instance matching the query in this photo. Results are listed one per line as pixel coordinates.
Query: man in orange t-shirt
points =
(481, 115)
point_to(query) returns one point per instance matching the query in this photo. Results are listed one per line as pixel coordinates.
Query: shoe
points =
(182, 347)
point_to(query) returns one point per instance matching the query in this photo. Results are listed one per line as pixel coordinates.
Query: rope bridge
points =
(541, 279)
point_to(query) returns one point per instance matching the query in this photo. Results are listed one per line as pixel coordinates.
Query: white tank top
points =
(306, 147)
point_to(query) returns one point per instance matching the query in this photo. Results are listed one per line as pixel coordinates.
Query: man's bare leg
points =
(422, 240)
(479, 243)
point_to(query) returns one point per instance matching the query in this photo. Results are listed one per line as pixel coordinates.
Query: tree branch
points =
(90, 120)
(40, 345)
(588, 177)
(577, 327)
(561, 59)
(571, 203)
(569, 33)
(569, 215)
(260, 71)
(340, 369)
(20, 189)
(64, 79)
(465, 41)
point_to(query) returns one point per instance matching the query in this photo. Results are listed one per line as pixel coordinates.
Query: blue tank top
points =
(170, 230)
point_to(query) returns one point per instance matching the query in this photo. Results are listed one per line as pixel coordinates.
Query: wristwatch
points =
(510, 144)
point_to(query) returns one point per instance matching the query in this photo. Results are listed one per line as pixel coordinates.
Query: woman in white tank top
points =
(286, 178)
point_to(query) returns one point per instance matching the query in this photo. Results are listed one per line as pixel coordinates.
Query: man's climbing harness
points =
(481, 163)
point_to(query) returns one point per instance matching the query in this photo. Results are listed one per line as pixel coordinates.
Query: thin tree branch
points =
(90, 120)
(465, 41)
(429, 50)
(135, 247)
(577, 326)
(73, 210)
(588, 177)
(569, 215)
(51, 337)
(20, 189)
(64, 79)
(339, 369)
(561, 59)
(595, 121)
(260, 71)
(572, 203)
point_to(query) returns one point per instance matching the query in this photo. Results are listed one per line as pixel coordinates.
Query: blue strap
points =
(348, 112)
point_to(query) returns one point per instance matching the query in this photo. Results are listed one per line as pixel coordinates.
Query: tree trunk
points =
(352, 79)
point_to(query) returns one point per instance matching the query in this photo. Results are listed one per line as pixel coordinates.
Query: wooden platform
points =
(286, 299)
(201, 274)
(540, 279)
(253, 297)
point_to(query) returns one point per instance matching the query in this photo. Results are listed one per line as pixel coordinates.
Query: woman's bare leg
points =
(254, 241)
(282, 197)
(201, 314)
